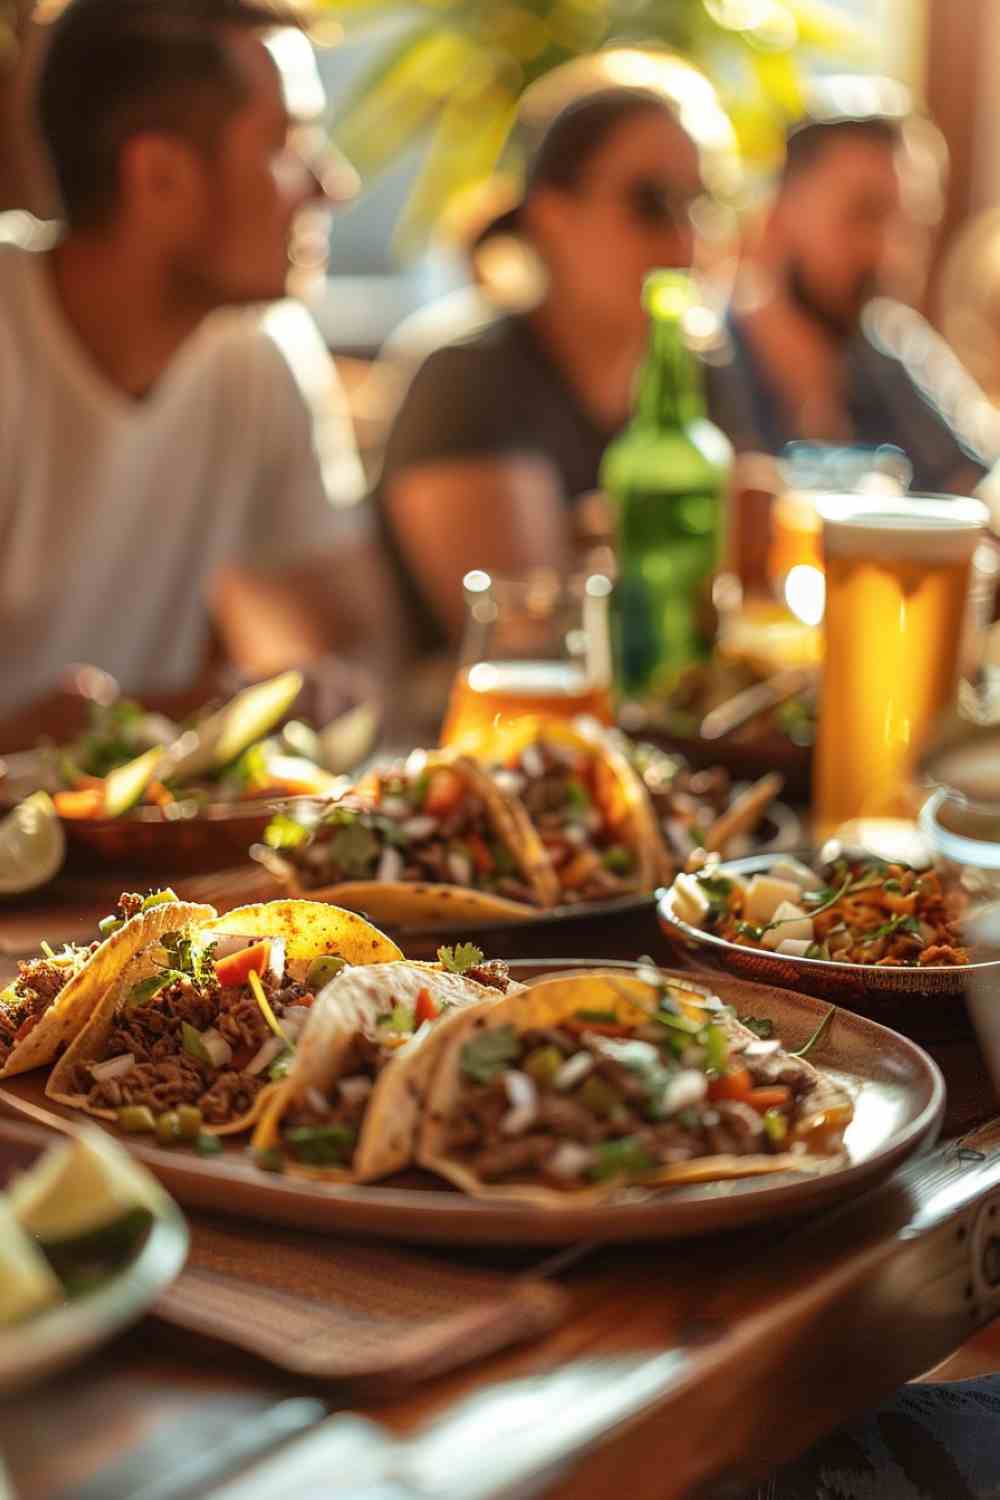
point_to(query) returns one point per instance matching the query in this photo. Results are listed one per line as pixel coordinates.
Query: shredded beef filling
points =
(366, 1059)
(494, 974)
(562, 797)
(39, 982)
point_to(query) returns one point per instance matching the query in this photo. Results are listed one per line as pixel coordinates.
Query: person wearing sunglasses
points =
(501, 433)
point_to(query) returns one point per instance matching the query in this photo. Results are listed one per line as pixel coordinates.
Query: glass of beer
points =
(538, 645)
(898, 571)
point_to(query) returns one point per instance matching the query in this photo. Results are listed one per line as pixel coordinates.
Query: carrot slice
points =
(88, 802)
(236, 968)
(774, 1097)
(736, 1084)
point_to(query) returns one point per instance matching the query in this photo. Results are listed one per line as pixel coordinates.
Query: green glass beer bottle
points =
(666, 477)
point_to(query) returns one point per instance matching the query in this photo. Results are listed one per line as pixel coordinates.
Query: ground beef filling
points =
(493, 974)
(560, 789)
(39, 982)
(165, 1075)
(604, 1124)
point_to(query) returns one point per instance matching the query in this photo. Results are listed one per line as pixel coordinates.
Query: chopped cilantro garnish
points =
(461, 958)
(761, 1026)
(322, 1145)
(577, 796)
(624, 1158)
(489, 1053)
(144, 991)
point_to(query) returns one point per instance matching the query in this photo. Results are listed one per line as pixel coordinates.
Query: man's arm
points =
(504, 514)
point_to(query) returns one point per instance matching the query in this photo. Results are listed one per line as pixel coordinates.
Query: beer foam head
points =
(904, 528)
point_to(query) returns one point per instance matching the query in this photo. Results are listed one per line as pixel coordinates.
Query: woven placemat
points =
(336, 1310)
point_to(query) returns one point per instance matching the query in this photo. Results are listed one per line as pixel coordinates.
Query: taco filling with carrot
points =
(208, 1018)
(432, 821)
(582, 1085)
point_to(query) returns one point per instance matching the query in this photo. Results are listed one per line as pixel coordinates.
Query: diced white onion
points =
(761, 1048)
(419, 827)
(631, 1053)
(390, 865)
(794, 947)
(523, 1096)
(265, 1055)
(276, 959)
(531, 761)
(395, 807)
(217, 1047)
(459, 867)
(317, 1100)
(113, 1068)
(353, 1090)
(684, 1089)
(575, 834)
(574, 1070)
(231, 942)
(510, 782)
(569, 1159)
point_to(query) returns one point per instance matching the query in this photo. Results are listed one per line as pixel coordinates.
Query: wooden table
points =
(700, 1363)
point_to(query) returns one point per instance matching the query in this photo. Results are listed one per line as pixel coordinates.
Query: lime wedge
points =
(125, 784)
(32, 845)
(27, 1282)
(226, 734)
(347, 740)
(80, 1186)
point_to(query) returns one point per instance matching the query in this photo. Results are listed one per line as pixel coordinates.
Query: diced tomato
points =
(426, 1008)
(599, 1028)
(26, 1028)
(305, 1000)
(736, 1084)
(481, 856)
(774, 1097)
(236, 968)
(444, 792)
(86, 803)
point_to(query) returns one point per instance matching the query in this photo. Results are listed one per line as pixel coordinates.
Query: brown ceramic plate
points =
(63, 1335)
(926, 1003)
(208, 838)
(898, 1099)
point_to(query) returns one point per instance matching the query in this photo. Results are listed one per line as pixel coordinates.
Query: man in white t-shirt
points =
(158, 469)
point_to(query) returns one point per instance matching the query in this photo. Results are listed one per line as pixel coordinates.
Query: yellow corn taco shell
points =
(552, 1001)
(76, 1002)
(308, 928)
(352, 1003)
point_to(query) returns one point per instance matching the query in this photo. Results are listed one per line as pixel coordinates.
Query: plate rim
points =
(457, 1217)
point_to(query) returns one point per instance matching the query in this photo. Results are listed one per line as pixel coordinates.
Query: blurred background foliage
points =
(454, 74)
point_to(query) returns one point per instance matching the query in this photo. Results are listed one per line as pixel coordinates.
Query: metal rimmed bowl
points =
(926, 1003)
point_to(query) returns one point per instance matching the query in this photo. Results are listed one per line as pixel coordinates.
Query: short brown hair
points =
(113, 68)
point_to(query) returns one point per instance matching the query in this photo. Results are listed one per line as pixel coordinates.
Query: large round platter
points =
(898, 1097)
(66, 1334)
(923, 1002)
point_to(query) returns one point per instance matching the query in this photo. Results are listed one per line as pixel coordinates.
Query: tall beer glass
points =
(897, 581)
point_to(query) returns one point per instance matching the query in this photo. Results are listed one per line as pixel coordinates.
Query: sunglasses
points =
(657, 205)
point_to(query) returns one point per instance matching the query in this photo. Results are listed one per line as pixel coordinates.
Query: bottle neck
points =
(670, 392)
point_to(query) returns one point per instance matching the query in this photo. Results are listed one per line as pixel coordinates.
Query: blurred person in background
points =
(812, 351)
(160, 473)
(499, 434)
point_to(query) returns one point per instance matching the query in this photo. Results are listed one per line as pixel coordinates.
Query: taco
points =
(588, 805)
(350, 1107)
(54, 995)
(585, 1083)
(207, 1018)
(432, 843)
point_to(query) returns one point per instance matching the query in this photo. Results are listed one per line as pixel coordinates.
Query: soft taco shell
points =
(308, 928)
(622, 792)
(551, 1001)
(77, 1000)
(353, 1002)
